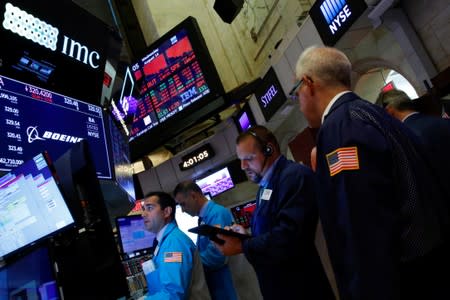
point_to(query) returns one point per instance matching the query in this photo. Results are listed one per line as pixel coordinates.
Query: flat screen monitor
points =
(31, 206)
(171, 87)
(134, 238)
(242, 213)
(244, 118)
(35, 119)
(32, 276)
(216, 183)
(62, 49)
(270, 95)
(120, 157)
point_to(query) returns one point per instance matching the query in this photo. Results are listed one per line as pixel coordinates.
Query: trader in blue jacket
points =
(175, 272)
(217, 273)
(281, 246)
(433, 131)
(382, 214)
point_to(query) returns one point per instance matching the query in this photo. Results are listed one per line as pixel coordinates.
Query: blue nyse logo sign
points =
(333, 18)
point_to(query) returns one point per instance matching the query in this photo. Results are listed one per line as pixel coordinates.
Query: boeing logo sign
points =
(26, 25)
(33, 135)
(333, 18)
(336, 12)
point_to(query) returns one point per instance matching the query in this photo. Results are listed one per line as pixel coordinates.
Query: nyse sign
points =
(333, 18)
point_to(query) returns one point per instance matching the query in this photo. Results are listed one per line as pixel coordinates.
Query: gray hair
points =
(330, 65)
(397, 99)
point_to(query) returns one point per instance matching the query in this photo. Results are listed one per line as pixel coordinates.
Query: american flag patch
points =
(173, 256)
(343, 159)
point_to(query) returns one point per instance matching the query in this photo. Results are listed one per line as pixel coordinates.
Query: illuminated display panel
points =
(173, 86)
(216, 183)
(34, 119)
(31, 207)
(134, 238)
(62, 49)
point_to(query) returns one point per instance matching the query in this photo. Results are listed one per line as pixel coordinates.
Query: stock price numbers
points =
(195, 157)
(15, 148)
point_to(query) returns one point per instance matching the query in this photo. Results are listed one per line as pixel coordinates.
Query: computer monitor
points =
(30, 277)
(243, 213)
(171, 87)
(89, 261)
(134, 239)
(32, 206)
(216, 183)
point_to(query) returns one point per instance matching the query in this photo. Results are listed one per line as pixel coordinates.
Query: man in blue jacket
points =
(382, 215)
(217, 274)
(281, 246)
(433, 131)
(175, 272)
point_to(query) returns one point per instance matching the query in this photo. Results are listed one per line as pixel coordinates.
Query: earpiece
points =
(267, 149)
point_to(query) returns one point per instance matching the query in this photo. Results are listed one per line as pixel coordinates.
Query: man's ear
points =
(390, 110)
(167, 211)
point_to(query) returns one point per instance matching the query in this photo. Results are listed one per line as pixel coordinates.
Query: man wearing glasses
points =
(382, 214)
(175, 271)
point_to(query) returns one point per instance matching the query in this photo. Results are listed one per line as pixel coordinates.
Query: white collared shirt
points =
(330, 104)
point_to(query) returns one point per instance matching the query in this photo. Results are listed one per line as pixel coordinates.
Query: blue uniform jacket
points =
(174, 264)
(372, 215)
(434, 133)
(217, 273)
(282, 249)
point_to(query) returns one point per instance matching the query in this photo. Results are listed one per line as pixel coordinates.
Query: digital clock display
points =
(195, 157)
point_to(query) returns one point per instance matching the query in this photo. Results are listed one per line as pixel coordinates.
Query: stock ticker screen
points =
(169, 79)
(33, 119)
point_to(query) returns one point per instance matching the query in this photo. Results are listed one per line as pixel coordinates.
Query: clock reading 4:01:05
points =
(195, 157)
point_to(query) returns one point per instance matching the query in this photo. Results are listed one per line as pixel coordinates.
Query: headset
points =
(267, 149)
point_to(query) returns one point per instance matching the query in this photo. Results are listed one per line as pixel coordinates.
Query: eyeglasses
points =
(293, 92)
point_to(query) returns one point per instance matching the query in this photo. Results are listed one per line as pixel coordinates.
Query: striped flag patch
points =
(173, 256)
(343, 159)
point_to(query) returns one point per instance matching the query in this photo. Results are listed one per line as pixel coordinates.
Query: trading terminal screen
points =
(169, 79)
(35, 119)
(31, 206)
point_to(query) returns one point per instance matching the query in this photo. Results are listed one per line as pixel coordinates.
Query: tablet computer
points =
(212, 231)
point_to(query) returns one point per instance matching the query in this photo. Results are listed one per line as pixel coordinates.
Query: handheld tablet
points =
(212, 231)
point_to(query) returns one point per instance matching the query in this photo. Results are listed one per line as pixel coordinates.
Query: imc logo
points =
(336, 12)
(22, 23)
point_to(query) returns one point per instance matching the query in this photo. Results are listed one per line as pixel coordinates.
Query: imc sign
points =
(333, 18)
(270, 94)
(55, 45)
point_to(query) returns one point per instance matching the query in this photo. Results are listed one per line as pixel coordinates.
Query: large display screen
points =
(62, 49)
(216, 183)
(31, 206)
(173, 86)
(34, 119)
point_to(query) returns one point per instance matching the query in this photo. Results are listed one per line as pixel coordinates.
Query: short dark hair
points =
(187, 186)
(164, 200)
(262, 135)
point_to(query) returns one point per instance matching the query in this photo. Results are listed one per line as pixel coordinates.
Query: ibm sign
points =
(333, 18)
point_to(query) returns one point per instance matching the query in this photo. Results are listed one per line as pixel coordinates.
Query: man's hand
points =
(232, 245)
